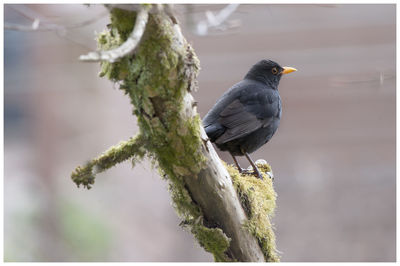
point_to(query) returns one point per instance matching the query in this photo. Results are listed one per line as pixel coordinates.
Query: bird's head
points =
(269, 72)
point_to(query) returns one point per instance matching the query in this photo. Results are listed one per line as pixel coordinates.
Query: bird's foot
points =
(257, 173)
(250, 171)
(244, 171)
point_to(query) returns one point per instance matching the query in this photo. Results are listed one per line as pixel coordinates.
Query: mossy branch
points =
(158, 79)
(258, 198)
(127, 47)
(133, 148)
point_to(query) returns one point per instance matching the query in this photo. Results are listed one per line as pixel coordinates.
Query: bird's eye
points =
(274, 71)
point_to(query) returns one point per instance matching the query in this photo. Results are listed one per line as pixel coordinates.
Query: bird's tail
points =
(214, 131)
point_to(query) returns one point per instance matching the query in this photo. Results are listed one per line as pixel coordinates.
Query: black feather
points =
(247, 115)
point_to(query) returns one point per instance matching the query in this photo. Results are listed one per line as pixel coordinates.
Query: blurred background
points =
(333, 156)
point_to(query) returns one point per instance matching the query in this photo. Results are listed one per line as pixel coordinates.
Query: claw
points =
(248, 171)
(257, 173)
(244, 171)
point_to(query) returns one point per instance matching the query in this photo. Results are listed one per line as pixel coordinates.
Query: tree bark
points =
(158, 78)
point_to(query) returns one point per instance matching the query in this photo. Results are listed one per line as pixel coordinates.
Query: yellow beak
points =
(287, 70)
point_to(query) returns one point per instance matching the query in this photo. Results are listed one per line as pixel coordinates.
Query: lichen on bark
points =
(157, 77)
(130, 149)
(258, 198)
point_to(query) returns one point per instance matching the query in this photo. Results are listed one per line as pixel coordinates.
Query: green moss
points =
(182, 201)
(123, 21)
(84, 175)
(212, 240)
(133, 148)
(258, 199)
(156, 78)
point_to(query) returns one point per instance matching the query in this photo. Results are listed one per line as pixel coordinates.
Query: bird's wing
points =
(242, 119)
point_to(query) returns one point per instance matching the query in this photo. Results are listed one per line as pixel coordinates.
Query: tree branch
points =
(123, 151)
(127, 47)
(39, 25)
(158, 79)
(215, 21)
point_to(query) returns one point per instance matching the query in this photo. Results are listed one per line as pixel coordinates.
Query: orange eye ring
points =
(274, 71)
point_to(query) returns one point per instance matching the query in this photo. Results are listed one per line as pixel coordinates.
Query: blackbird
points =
(248, 114)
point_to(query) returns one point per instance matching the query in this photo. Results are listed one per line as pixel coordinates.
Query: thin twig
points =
(85, 175)
(42, 24)
(153, 9)
(17, 27)
(39, 25)
(127, 47)
(215, 21)
(170, 12)
(127, 7)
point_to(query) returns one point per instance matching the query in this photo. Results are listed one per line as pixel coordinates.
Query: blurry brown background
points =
(333, 156)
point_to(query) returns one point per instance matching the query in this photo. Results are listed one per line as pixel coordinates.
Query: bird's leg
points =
(240, 169)
(237, 164)
(256, 171)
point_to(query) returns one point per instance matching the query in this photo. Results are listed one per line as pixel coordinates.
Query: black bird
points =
(248, 114)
